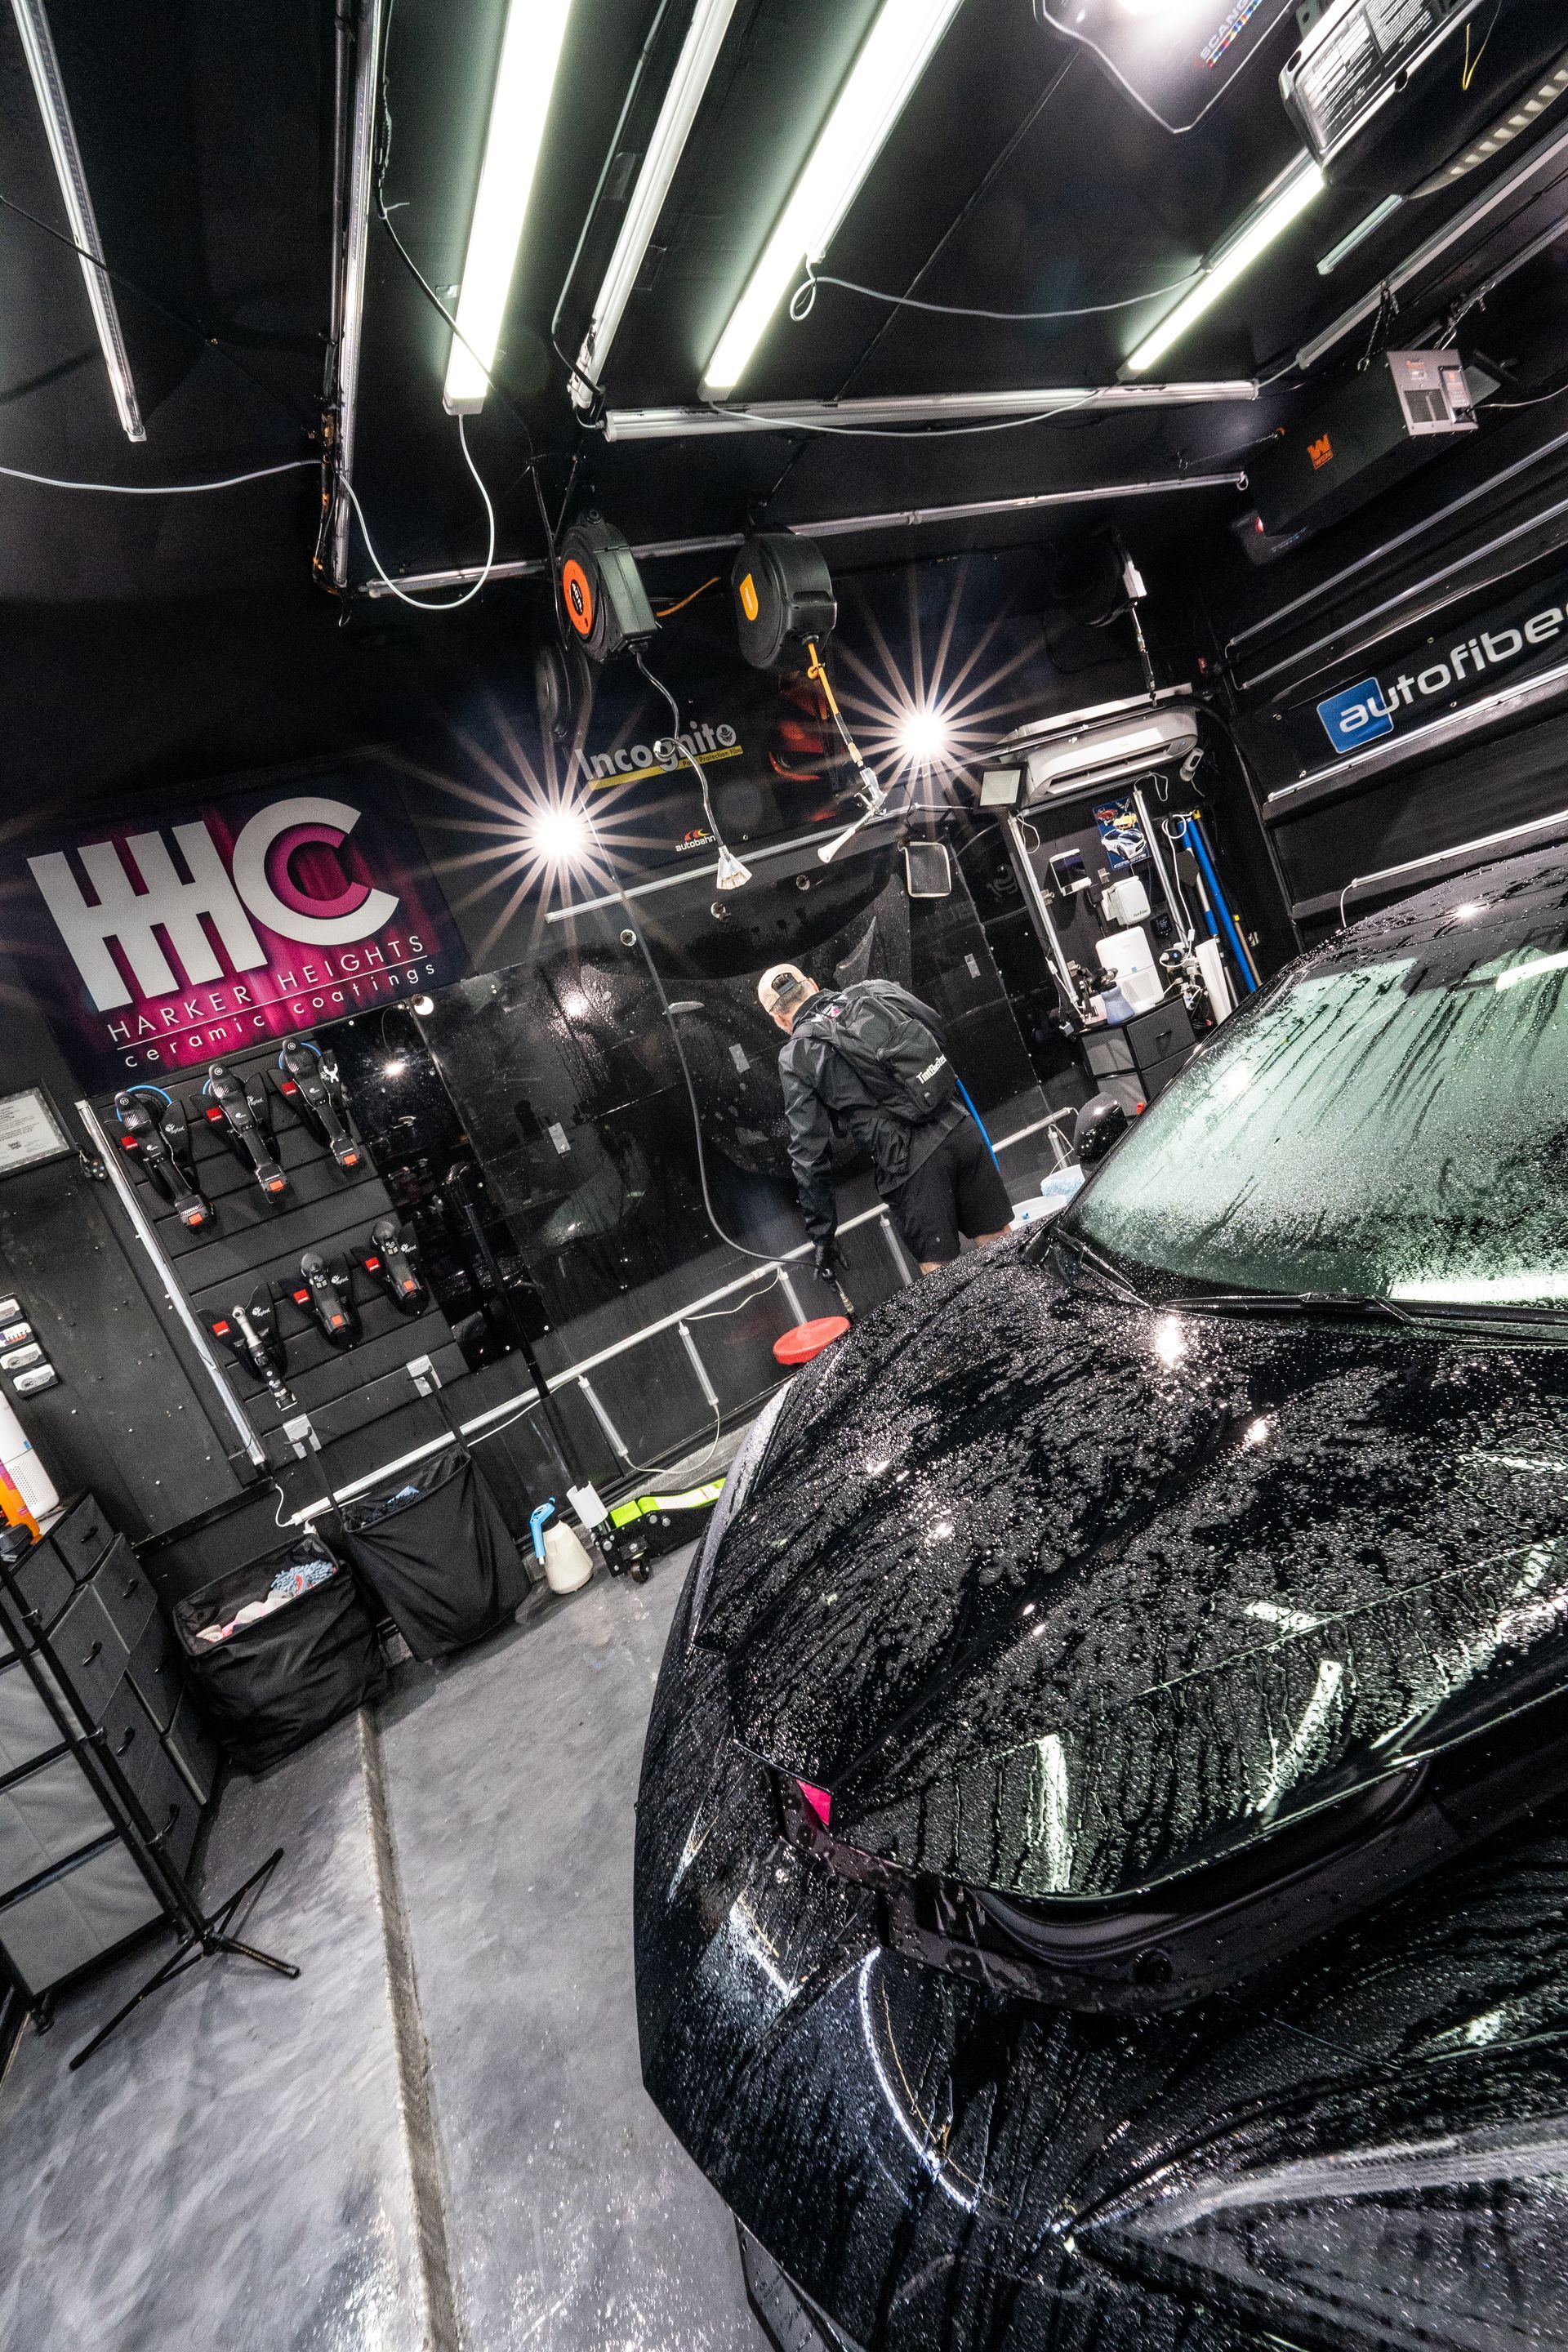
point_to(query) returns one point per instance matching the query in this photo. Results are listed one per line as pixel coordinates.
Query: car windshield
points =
(1391, 1122)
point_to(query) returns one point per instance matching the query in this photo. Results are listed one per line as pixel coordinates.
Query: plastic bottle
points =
(560, 1551)
(27, 1493)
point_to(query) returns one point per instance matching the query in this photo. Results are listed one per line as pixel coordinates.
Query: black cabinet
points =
(1144, 1054)
(80, 1619)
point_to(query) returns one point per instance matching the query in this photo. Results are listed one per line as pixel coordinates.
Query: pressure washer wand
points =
(872, 792)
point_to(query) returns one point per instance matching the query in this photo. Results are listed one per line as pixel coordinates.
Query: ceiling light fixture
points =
(710, 21)
(923, 735)
(38, 48)
(559, 833)
(912, 409)
(881, 81)
(1284, 202)
(1370, 221)
(525, 77)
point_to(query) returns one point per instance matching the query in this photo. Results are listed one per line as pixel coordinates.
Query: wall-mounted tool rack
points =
(252, 1242)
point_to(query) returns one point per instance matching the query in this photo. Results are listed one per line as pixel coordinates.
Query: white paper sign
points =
(29, 1131)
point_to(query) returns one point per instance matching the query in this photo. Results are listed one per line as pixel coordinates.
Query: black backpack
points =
(895, 1057)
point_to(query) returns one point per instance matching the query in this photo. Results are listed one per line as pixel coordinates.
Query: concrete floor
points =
(439, 2137)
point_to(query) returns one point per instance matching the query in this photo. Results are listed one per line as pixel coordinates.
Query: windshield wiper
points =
(1348, 1303)
(1480, 1310)
(1087, 1254)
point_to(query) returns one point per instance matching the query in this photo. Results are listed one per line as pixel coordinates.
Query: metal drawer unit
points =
(87, 1674)
(1144, 1054)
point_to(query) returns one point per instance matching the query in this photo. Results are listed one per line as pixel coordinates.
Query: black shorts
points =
(957, 1190)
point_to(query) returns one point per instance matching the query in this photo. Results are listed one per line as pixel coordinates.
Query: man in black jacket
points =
(933, 1166)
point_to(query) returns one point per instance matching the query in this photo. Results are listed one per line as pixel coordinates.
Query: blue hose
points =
(979, 1122)
(1211, 883)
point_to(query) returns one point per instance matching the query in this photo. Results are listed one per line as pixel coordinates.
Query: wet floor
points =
(439, 2137)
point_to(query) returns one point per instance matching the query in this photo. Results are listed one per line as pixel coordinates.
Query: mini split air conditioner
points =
(1086, 758)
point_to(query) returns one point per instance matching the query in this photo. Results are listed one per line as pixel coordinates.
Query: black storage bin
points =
(436, 1554)
(277, 1682)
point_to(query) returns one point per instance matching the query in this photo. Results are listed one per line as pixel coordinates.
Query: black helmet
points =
(1100, 1123)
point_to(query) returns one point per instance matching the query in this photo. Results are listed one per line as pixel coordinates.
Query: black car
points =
(1102, 1864)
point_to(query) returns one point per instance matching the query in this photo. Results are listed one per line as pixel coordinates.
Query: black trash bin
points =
(434, 1553)
(273, 1684)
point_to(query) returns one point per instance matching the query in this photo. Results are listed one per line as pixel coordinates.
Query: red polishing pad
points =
(808, 1339)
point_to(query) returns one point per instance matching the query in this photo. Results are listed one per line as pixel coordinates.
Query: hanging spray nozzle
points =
(731, 875)
(873, 792)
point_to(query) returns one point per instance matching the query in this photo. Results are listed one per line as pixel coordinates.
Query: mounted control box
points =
(1359, 436)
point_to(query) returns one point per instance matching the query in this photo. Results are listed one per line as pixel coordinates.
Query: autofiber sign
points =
(265, 913)
(1438, 674)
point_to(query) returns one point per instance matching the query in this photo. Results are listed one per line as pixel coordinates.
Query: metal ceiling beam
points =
(536, 567)
(44, 66)
(352, 235)
(918, 408)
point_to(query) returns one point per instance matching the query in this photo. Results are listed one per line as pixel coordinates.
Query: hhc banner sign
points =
(160, 946)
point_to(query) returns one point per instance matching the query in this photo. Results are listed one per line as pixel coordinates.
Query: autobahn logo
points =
(1358, 715)
(256, 917)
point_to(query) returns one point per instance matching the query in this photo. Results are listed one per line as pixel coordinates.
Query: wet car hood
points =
(1067, 1598)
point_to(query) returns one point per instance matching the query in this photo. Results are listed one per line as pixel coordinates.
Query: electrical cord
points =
(719, 1314)
(161, 489)
(643, 1469)
(663, 611)
(893, 433)
(803, 302)
(763, 1257)
(659, 687)
(1471, 64)
(384, 213)
(1178, 841)
(423, 603)
(1539, 401)
(510, 1422)
(1177, 130)
(652, 1469)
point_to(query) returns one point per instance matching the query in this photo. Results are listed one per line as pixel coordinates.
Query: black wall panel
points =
(131, 1418)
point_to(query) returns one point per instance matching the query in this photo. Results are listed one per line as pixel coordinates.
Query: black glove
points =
(829, 1265)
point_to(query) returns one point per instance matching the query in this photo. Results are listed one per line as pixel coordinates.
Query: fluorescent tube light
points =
(704, 36)
(881, 81)
(1330, 261)
(525, 77)
(38, 48)
(908, 408)
(1285, 203)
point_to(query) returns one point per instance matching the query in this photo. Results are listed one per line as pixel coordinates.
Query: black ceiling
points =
(1021, 175)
